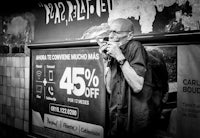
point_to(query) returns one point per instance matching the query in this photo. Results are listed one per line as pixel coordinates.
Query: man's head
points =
(121, 30)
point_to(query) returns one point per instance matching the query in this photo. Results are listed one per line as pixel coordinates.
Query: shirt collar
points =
(123, 47)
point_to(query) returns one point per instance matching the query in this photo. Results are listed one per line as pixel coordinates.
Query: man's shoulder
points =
(134, 45)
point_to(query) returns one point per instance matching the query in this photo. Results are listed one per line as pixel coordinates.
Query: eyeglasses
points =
(118, 32)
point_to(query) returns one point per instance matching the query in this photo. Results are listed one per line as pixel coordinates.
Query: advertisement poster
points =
(188, 118)
(68, 19)
(68, 92)
(64, 20)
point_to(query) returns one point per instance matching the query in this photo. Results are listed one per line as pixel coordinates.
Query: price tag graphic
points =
(73, 80)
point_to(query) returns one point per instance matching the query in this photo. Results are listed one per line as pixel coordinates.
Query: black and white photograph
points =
(100, 69)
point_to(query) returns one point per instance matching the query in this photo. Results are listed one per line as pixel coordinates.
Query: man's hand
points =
(113, 49)
(103, 48)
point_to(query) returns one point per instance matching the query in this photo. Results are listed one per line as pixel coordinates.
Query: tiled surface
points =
(14, 92)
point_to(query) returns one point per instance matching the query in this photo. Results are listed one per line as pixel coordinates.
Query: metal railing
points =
(151, 39)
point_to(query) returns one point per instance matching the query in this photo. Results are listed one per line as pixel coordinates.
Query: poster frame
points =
(71, 45)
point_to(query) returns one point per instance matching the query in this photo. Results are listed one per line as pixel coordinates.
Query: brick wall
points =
(14, 91)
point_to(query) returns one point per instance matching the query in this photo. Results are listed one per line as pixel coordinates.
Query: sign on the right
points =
(188, 98)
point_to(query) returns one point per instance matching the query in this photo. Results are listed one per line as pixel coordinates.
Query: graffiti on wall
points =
(80, 10)
(78, 17)
(18, 31)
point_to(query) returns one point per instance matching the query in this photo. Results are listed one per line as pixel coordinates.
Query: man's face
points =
(117, 32)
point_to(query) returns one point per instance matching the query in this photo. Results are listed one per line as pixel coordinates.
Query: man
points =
(128, 82)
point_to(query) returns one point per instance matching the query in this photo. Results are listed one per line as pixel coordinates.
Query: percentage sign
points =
(91, 77)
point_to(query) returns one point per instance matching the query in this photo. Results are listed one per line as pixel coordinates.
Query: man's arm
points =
(134, 80)
(107, 78)
(107, 71)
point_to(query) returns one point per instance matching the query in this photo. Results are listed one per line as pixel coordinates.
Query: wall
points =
(14, 91)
